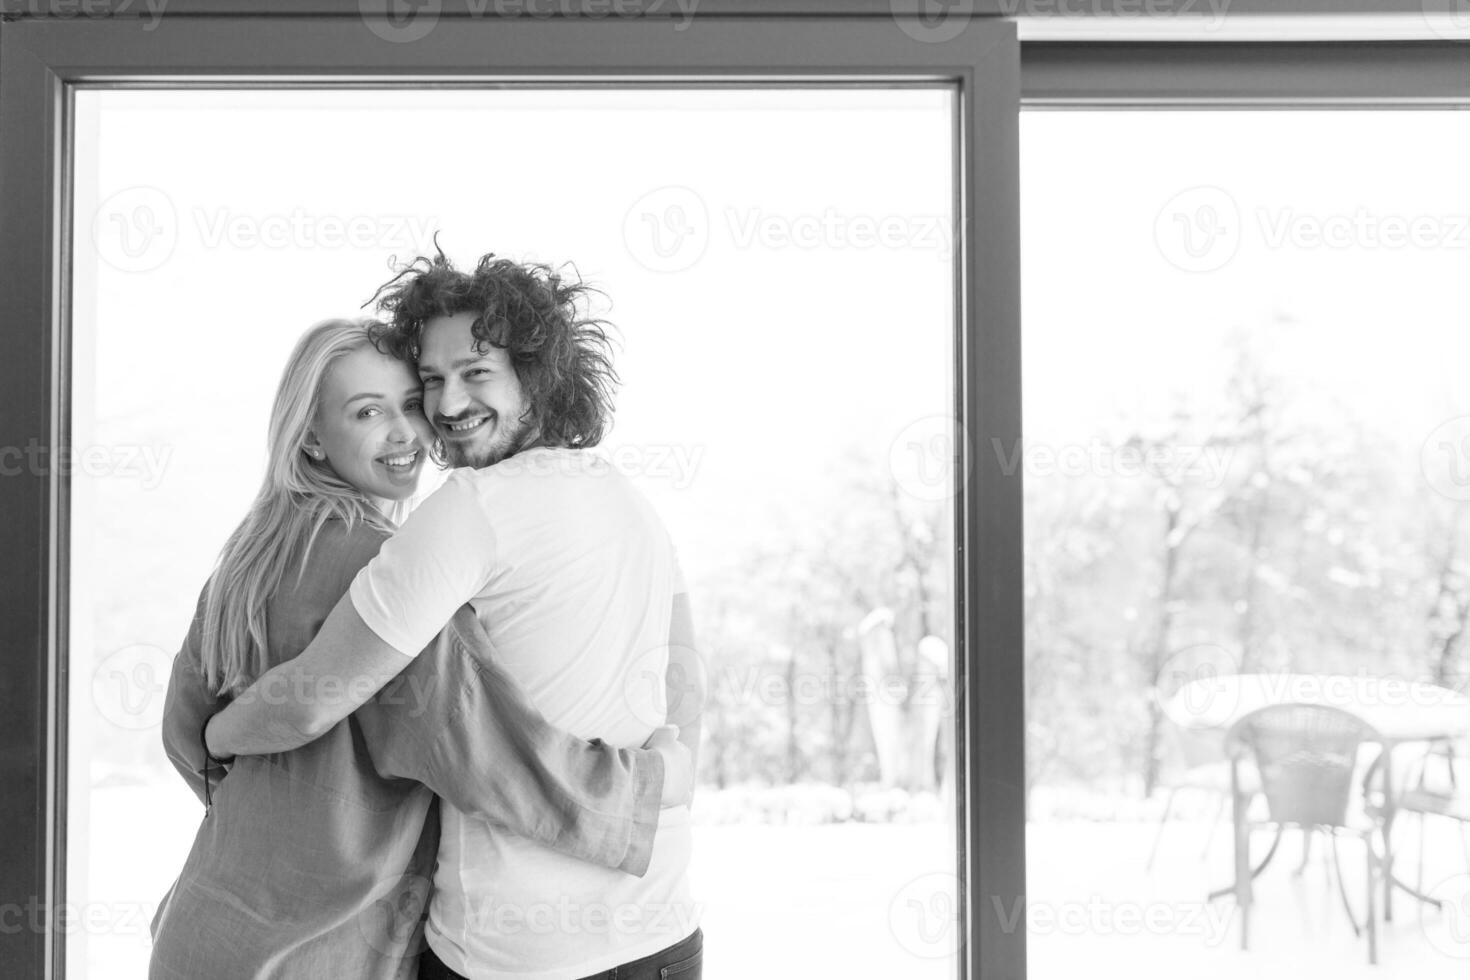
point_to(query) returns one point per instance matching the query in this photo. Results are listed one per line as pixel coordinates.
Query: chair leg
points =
(1153, 851)
(1214, 825)
(1342, 886)
(1419, 871)
(1372, 913)
(1243, 896)
(1307, 835)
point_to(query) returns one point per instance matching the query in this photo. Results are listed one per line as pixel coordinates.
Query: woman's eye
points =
(476, 372)
(415, 405)
(368, 412)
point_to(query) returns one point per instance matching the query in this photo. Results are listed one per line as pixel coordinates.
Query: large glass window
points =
(779, 265)
(1246, 412)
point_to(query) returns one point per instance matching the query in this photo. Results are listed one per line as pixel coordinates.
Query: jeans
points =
(682, 961)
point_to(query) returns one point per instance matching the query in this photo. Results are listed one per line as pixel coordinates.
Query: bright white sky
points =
(755, 357)
(1112, 325)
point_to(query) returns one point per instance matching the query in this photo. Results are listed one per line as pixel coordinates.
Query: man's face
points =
(472, 397)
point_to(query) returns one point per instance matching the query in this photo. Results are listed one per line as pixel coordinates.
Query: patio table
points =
(1398, 710)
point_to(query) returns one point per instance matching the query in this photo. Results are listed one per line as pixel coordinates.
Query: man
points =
(574, 580)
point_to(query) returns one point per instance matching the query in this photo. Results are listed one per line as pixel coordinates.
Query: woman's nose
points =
(401, 430)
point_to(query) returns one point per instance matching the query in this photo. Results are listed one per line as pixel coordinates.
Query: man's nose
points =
(452, 399)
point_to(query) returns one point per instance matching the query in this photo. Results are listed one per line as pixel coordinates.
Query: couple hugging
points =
(434, 749)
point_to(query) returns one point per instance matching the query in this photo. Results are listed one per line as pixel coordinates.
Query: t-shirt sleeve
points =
(442, 556)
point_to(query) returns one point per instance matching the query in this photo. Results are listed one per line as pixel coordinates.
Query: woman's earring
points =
(314, 453)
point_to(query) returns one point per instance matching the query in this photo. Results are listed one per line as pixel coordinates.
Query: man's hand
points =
(678, 765)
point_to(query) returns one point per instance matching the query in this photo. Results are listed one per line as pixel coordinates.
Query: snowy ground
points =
(874, 901)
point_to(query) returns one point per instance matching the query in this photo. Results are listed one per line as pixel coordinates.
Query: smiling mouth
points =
(466, 426)
(401, 461)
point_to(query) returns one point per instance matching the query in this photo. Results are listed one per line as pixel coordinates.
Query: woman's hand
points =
(678, 765)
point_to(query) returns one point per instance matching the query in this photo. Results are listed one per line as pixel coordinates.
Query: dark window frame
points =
(42, 61)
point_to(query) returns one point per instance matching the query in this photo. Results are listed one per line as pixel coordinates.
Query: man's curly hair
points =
(562, 355)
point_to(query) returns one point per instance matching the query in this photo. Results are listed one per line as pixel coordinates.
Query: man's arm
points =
(300, 700)
(187, 703)
(686, 680)
(458, 723)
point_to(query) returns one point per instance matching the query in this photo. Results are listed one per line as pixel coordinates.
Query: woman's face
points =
(370, 426)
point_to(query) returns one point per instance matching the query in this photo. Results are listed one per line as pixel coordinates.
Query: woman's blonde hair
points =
(298, 496)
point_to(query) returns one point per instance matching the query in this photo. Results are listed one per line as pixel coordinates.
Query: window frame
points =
(44, 59)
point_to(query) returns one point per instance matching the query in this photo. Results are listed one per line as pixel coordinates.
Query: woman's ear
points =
(312, 446)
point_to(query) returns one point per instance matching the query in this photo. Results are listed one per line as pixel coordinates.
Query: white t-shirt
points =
(573, 576)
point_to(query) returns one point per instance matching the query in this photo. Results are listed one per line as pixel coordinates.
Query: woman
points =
(317, 862)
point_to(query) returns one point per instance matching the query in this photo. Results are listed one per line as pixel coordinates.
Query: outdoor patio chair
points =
(1438, 796)
(1305, 758)
(1194, 760)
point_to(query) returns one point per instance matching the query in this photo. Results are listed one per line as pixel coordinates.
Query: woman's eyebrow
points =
(366, 394)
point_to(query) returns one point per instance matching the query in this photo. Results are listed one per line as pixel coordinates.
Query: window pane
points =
(779, 267)
(1246, 423)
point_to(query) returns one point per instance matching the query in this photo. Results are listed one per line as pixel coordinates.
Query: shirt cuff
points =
(648, 790)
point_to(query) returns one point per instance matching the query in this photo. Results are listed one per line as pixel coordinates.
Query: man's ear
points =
(312, 446)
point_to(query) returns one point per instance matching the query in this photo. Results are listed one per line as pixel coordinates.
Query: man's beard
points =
(479, 455)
